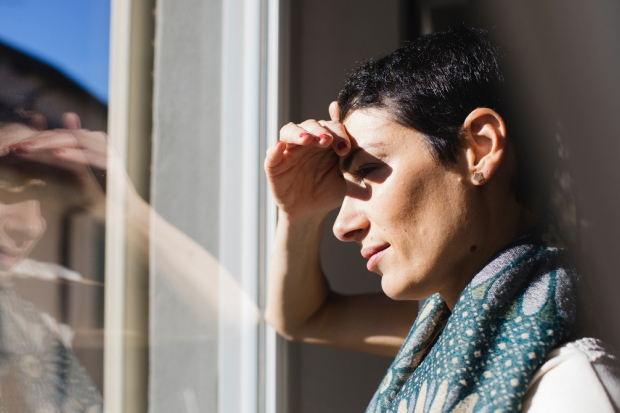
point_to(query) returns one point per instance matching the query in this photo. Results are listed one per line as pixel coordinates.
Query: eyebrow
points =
(348, 160)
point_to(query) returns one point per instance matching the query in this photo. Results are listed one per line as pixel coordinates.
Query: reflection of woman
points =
(80, 157)
(440, 206)
(38, 369)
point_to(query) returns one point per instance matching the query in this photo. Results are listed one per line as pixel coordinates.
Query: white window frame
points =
(252, 358)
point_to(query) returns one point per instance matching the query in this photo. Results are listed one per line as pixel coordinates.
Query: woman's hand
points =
(71, 148)
(304, 172)
(81, 152)
(303, 167)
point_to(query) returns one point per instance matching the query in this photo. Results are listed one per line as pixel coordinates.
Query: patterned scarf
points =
(38, 372)
(482, 356)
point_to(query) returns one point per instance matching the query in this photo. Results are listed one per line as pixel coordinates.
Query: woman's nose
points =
(351, 223)
(24, 223)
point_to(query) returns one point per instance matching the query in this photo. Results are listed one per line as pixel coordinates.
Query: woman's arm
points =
(304, 174)
(301, 306)
(296, 285)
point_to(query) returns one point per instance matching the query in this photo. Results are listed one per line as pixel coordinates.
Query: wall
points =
(327, 39)
(566, 57)
(577, 49)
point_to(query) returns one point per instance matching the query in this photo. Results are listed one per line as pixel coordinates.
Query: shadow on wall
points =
(569, 58)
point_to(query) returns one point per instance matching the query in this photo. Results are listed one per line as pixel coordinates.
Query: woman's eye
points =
(360, 173)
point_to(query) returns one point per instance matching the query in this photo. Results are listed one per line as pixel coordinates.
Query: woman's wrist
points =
(314, 219)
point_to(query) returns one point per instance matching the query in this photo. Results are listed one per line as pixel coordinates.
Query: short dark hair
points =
(431, 85)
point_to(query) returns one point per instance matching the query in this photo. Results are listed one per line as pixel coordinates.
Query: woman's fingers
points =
(11, 134)
(274, 155)
(305, 133)
(38, 122)
(81, 157)
(334, 111)
(64, 148)
(342, 146)
(62, 138)
(341, 143)
(46, 140)
(293, 134)
(320, 133)
(302, 168)
(71, 120)
(323, 136)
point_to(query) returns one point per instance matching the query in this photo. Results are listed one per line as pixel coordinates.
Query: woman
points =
(44, 175)
(39, 369)
(435, 194)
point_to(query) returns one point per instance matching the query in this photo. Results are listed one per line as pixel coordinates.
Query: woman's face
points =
(408, 213)
(21, 226)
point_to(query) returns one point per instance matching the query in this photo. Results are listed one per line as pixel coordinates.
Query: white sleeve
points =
(567, 382)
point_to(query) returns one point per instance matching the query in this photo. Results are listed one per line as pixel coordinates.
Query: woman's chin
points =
(398, 290)
(7, 263)
(394, 290)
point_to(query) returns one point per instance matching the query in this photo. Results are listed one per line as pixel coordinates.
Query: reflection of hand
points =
(64, 148)
(81, 152)
(303, 167)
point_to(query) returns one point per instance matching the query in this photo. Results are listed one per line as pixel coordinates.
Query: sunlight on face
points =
(407, 212)
(21, 225)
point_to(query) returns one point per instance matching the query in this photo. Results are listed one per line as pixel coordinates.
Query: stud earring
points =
(478, 178)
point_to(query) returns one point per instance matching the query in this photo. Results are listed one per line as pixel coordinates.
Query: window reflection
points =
(52, 209)
(47, 184)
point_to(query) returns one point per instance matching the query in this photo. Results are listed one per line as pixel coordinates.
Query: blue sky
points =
(71, 35)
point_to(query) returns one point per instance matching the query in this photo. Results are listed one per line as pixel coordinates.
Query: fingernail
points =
(342, 145)
(303, 134)
(21, 144)
(324, 136)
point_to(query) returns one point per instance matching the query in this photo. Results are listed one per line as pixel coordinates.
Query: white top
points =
(580, 376)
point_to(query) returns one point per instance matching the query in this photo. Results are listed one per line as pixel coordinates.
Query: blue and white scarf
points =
(481, 356)
(38, 372)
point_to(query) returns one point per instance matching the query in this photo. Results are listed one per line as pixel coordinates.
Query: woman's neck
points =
(495, 228)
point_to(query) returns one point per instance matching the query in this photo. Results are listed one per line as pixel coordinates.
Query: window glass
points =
(53, 117)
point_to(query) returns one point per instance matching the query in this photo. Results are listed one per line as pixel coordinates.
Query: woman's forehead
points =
(367, 126)
(374, 128)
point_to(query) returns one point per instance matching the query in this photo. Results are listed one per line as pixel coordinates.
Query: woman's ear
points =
(485, 144)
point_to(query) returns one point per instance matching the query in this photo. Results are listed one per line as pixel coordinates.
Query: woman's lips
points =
(10, 256)
(373, 255)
